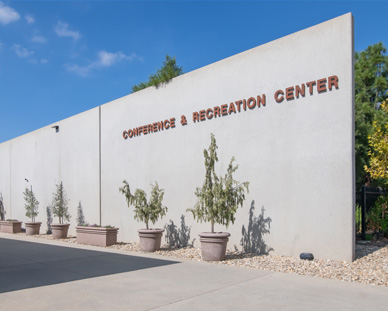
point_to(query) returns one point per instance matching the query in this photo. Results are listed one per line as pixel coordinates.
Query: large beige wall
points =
(298, 155)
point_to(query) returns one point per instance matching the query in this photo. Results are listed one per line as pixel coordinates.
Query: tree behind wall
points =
(169, 70)
(371, 84)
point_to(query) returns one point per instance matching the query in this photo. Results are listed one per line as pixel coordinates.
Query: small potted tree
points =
(218, 200)
(60, 206)
(146, 211)
(31, 207)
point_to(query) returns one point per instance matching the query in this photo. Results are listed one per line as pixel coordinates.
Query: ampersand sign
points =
(183, 120)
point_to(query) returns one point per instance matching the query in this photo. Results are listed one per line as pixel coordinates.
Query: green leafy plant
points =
(358, 218)
(60, 204)
(98, 226)
(378, 216)
(145, 211)
(219, 197)
(31, 205)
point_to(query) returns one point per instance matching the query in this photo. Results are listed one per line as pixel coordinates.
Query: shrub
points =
(219, 197)
(60, 204)
(31, 205)
(145, 211)
(378, 216)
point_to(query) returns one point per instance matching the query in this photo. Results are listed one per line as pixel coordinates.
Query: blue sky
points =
(60, 58)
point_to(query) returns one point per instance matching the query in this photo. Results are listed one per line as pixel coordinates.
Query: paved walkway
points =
(49, 275)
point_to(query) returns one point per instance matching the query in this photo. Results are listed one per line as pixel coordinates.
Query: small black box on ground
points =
(306, 256)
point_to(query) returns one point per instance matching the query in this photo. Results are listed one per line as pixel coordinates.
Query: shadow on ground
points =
(365, 248)
(28, 264)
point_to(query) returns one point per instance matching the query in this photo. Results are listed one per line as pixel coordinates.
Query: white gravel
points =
(370, 266)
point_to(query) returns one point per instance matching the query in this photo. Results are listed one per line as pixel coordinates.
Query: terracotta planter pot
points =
(32, 228)
(213, 245)
(11, 226)
(97, 236)
(150, 239)
(60, 231)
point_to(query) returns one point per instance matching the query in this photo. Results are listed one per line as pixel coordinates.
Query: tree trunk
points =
(212, 223)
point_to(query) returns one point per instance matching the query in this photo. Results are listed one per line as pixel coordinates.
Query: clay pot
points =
(213, 245)
(150, 239)
(32, 228)
(60, 231)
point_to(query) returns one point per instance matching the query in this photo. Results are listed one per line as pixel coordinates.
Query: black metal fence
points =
(366, 198)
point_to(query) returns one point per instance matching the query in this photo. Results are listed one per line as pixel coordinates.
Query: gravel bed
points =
(370, 266)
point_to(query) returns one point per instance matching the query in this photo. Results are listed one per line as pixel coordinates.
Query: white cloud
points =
(7, 14)
(104, 59)
(21, 51)
(43, 61)
(38, 39)
(62, 30)
(29, 19)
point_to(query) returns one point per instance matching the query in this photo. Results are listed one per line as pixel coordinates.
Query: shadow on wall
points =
(2, 209)
(49, 219)
(252, 237)
(178, 237)
(80, 215)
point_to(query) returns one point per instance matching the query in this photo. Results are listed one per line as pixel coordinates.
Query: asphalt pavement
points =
(53, 275)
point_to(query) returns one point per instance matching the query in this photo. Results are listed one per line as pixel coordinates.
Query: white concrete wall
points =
(46, 158)
(298, 155)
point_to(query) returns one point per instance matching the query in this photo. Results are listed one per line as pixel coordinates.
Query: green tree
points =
(219, 197)
(60, 204)
(169, 70)
(378, 142)
(145, 211)
(31, 204)
(371, 84)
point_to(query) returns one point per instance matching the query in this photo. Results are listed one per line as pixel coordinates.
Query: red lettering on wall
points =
(238, 103)
(166, 124)
(202, 115)
(333, 81)
(125, 134)
(232, 108)
(290, 93)
(209, 113)
(217, 111)
(251, 102)
(172, 122)
(277, 98)
(195, 117)
(160, 126)
(261, 100)
(300, 90)
(321, 85)
(310, 86)
(224, 110)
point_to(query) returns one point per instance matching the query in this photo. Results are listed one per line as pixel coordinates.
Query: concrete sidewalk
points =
(44, 274)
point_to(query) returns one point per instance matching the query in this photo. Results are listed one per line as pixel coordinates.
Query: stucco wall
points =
(298, 155)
